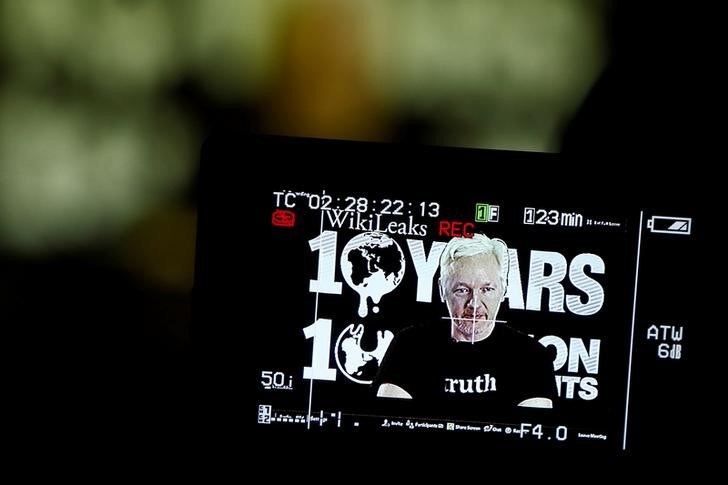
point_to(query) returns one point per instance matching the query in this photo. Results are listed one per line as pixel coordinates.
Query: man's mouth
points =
(470, 327)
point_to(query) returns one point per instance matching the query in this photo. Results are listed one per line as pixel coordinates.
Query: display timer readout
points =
(324, 201)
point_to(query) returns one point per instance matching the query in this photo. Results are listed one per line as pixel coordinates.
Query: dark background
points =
(97, 306)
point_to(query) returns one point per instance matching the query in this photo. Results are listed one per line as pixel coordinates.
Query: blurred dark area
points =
(652, 94)
(99, 150)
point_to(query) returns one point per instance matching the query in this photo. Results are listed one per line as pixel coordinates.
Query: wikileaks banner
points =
(456, 307)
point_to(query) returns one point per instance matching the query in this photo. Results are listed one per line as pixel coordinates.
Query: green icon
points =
(481, 212)
(486, 212)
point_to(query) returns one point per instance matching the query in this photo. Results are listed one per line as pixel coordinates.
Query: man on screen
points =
(469, 357)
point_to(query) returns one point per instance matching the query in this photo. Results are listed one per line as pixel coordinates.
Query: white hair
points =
(460, 247)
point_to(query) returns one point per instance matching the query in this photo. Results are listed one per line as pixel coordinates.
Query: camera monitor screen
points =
(380, 288)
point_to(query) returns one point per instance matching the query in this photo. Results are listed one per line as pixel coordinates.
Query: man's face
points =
(473, 292)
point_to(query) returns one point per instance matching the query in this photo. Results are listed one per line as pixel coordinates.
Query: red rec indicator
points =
(455, 228)
(283, 218)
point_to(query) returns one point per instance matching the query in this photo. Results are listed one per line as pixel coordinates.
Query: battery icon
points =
(670, 225)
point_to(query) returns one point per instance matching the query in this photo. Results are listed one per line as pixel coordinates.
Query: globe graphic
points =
(373, 265)
(358, 364)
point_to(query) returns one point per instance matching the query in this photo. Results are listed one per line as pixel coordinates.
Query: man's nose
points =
(475, 301)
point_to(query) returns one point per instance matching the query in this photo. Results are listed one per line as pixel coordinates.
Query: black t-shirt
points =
(496, 373)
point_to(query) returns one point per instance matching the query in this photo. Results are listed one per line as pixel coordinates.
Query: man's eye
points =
(487, 289)
(461, 291)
